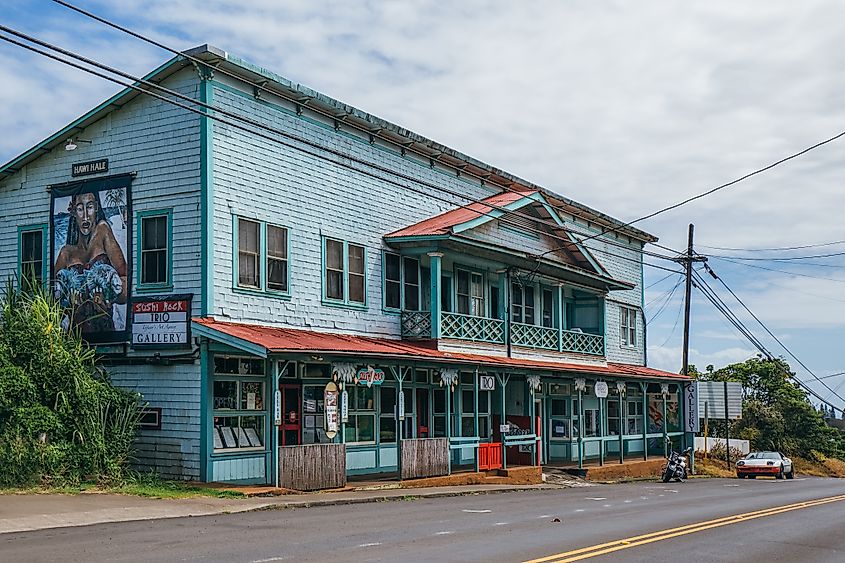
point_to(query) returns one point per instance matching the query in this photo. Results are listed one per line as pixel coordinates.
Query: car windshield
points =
(763, 455)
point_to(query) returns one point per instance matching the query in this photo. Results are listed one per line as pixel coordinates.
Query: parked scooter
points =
(676, 466)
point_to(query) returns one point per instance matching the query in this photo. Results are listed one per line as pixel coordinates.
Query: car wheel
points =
(791, 474)
(752, 476)
(780, 473)
(740, 476)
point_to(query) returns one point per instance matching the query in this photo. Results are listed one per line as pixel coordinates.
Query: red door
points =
(422, 414)
(290, 432)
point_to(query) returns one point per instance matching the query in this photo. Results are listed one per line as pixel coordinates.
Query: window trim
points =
(346, 302)
(45, 260)
(262, 259)
(139, 218)
(538, 321)
(624, 330)
(484, 289)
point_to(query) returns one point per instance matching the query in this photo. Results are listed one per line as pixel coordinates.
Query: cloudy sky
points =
(624, 106)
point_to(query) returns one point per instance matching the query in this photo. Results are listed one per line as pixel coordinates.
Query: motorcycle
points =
(676, 466)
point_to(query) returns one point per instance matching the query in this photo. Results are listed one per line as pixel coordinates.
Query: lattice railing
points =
(534, 336)
(583, 343)
(467, 327)
(416, 324)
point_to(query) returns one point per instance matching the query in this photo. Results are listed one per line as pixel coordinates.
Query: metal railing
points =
(582, 343)
(416, 324)
(534, 336)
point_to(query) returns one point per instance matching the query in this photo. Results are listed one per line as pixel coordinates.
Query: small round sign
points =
(601, 389)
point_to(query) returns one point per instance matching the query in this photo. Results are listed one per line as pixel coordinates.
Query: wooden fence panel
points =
(312, 467)
(425, 457)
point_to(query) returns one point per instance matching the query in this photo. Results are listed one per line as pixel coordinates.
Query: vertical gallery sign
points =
(90, 242)
(691, 416)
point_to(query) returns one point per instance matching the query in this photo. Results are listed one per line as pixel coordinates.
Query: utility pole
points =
(687, 260)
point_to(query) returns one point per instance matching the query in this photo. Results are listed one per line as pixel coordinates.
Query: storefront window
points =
(558, 389)
(613, 414)
(439, 396)
(238, 404)
(362, 416)
(387, 418)
(313, 414)
(634, 410)
(559, 418)
(592, 423)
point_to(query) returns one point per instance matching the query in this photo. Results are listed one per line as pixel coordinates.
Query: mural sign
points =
(370, 376)
(161, 322)
(90, 256)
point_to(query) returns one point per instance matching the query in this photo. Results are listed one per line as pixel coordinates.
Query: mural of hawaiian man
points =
(90, 270)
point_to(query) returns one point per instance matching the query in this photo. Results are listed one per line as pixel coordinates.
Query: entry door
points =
(290, 433)
(423, 430)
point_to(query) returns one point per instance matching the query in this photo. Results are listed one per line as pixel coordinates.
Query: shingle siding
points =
(160, 143)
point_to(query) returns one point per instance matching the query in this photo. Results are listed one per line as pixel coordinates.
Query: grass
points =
(140, 484)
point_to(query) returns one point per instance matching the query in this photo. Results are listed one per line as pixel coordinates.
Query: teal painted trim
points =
(384, 307)
(45, 244)
(139, 218)
(435, 305)
(206, 91)
(414, 238)
(112, 104)
(492, 214)
(344, 303)
(602, 327)
(239, 343)
(262, 290)
(259, 293)
(206, 420)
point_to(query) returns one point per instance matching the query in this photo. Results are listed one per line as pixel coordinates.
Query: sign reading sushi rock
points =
(161, 322)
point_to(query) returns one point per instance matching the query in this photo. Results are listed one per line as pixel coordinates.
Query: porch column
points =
(621, 388)
(448, 389)
(503, 381)
(644, 387)
(475, 418)
(436, 290)
(601, 431)
(580, 429)
(561, 320)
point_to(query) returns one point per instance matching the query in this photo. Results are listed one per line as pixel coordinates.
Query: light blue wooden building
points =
(313, 242)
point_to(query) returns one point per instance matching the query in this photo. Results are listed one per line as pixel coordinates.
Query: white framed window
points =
(522, 303)
(470, 293)
(402, 283)
(628, 326)
(262, 257)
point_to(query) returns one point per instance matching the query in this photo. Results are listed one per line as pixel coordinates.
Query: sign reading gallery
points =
(161, 321)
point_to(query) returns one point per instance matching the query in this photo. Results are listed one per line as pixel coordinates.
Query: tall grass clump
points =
(61, 419)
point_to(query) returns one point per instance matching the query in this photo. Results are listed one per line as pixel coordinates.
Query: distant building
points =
(230, 276)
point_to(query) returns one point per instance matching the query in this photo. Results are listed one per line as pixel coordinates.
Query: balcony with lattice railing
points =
(582, 342)
(468, 327)
(534, 336)
(416, 324)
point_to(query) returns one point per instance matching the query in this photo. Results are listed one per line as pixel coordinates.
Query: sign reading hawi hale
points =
(162, 322)
(90, 167)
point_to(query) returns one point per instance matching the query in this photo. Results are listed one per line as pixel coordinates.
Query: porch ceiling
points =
(263, 340)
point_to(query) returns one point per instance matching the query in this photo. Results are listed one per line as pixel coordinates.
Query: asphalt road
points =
(516, 526)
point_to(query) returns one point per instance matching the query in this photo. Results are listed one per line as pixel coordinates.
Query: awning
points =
(263, 340)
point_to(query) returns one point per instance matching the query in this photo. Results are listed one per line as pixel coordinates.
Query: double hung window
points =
(31, 253)
(155, 249)
(361, 426)
(470, 293)
(344, 272)
(262, 257)
(402, 282)
(522, 303)
(548, 308)
(634, 411)
(628, 326)
(239, 404)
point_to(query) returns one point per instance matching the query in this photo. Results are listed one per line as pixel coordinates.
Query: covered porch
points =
(379, 407)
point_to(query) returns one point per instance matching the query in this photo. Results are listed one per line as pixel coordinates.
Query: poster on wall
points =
(90, 258)
(161, 321)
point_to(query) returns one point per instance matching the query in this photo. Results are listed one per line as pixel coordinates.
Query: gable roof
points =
(350, 115)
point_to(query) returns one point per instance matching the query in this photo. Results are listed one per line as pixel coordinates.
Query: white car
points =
(765, 463)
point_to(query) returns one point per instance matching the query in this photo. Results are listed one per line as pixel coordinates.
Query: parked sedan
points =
(765, 463)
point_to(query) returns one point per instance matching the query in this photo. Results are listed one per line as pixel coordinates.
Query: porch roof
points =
(262, 340)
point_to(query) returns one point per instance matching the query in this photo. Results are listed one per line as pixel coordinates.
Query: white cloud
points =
(669, 359)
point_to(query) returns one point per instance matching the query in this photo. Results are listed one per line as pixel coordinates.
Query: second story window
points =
(402, 282)
(628, 326)
(155, 249)
(249, 254)
(31, 246)
(263, 261)
(548, 304)
(277, 258)
(522, 303)
(470, 293)
(344, 269)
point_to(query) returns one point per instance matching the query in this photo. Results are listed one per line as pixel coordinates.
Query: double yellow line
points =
(610, 547)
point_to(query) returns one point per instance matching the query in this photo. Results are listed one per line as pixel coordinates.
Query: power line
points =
(781, 258)
(664, 278)
(770, 333)
(314, 145)
(612, 229)
(774, 249)
(779, 271)
(665, 303)
(306, 142)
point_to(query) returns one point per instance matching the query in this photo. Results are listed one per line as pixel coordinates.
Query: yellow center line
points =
(610, 547)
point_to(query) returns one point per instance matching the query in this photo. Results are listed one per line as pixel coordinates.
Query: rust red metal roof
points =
(443, 223)
(279, 340)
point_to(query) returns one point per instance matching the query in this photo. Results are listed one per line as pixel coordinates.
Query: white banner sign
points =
(486, 383)
(601, 389)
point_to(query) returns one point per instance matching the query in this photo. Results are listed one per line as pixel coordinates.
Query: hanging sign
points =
(330, 400)
(691, 418)
(161, 322)
(486, 383)
(402, 406)
(344, 406)
(370, 376)
(277, 407)
(601, 389)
